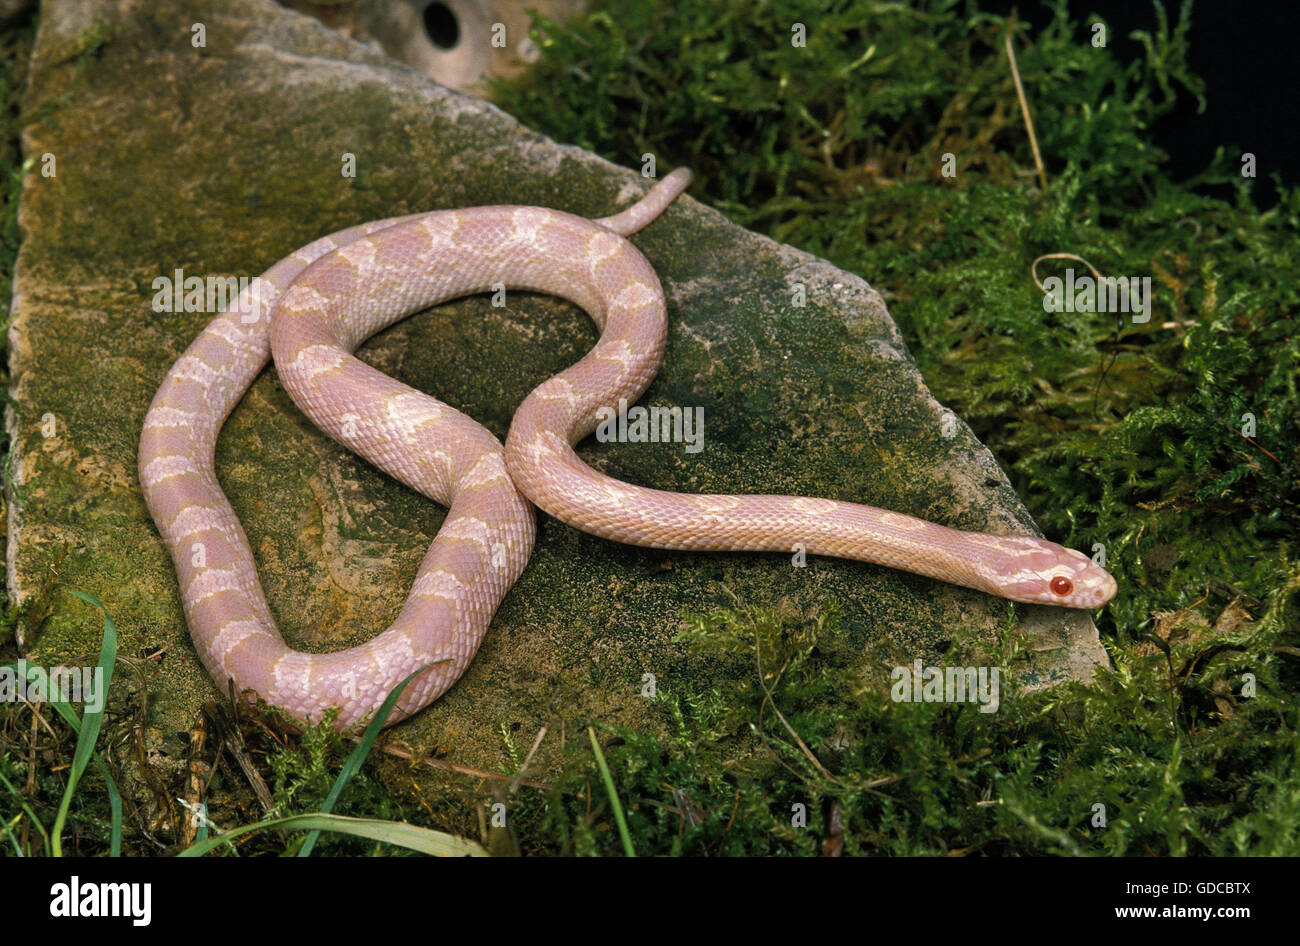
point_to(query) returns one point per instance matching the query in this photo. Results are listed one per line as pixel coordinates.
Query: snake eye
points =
(1061, 585)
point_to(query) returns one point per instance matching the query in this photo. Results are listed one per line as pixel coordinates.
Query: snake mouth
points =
(1108, 590)
(1089, 598)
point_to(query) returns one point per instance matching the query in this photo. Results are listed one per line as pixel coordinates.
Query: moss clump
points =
(789, 752)
(1174, 440)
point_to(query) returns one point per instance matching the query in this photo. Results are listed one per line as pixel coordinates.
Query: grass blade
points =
(613, 796)
(424, 840)
(88, 731)
(114, 796)
(30, 814)
(358, 756)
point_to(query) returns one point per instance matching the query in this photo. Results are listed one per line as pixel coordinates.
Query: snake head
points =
(1036, 571)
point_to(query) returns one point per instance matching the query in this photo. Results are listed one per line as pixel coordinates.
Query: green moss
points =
(1127, 433)
(1162, 756)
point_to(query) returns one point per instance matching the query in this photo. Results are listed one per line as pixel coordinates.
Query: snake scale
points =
(312, 309)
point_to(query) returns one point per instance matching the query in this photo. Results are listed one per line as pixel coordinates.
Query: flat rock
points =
(220, 160)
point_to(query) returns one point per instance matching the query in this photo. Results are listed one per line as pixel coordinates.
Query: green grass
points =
(298, 768)
(1132, 435)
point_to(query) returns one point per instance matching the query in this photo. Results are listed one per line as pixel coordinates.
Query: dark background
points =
(1248, 55)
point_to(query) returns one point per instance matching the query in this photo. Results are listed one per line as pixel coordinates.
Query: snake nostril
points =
(1061, 585)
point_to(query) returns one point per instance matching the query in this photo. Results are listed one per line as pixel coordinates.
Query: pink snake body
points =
(315, 307)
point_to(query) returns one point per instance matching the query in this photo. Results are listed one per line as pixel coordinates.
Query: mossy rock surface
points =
(221, 160)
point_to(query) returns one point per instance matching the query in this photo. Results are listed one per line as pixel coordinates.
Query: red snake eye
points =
(1061, 585)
